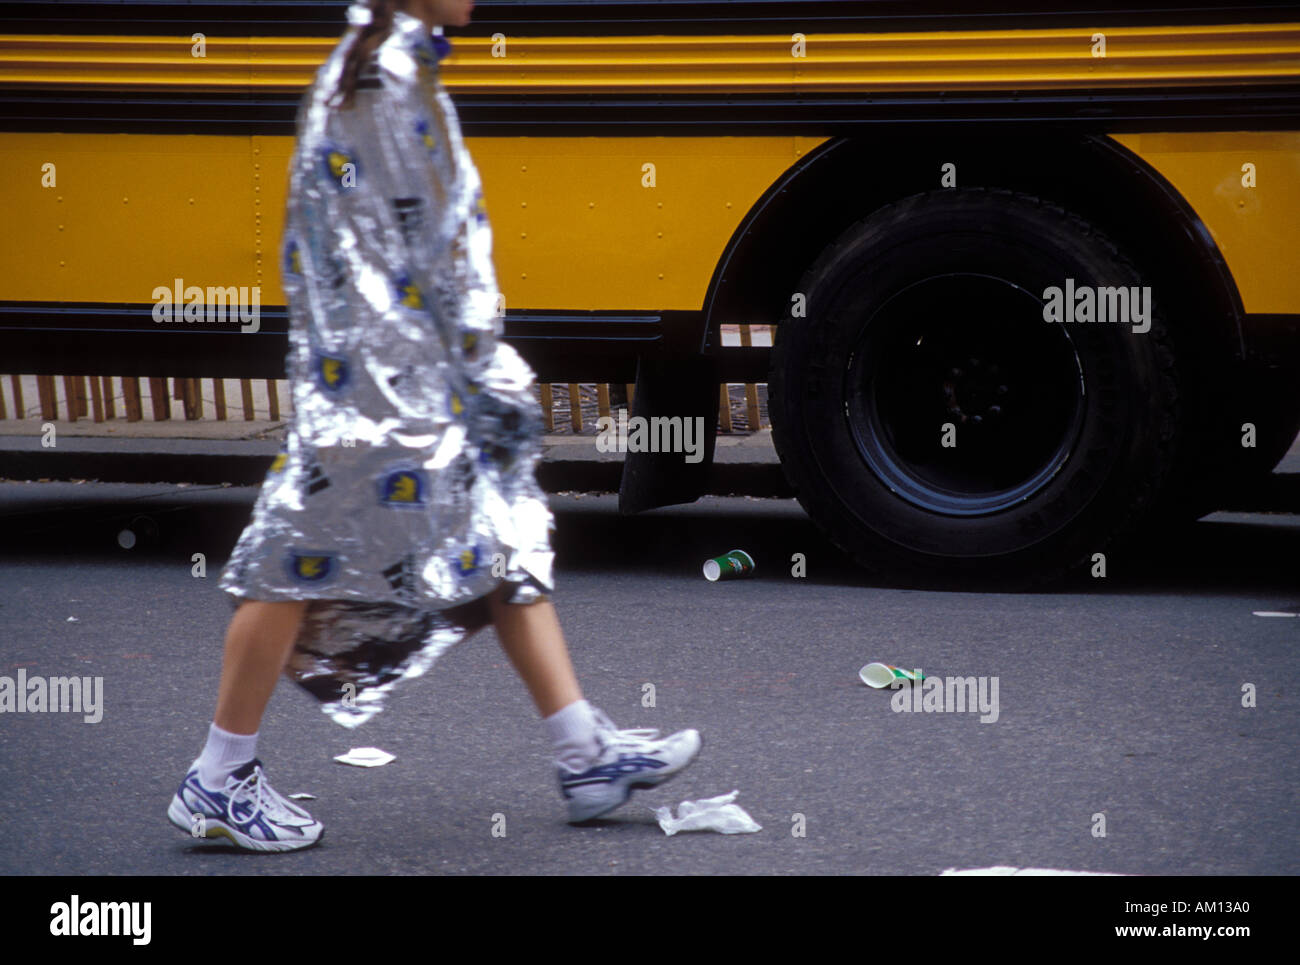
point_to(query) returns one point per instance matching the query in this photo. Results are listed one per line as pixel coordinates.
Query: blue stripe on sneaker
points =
(607, 773)
(215, 805)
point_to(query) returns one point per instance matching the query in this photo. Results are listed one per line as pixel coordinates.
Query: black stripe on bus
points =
(325, 18)
(1269, 107)
(56, 338)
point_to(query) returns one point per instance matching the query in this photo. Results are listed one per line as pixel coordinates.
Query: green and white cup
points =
(882, 675)
(731, 566)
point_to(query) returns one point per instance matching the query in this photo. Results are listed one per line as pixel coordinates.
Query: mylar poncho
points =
(406, 488)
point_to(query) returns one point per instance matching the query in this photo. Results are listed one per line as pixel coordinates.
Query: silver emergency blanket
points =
(406, 489)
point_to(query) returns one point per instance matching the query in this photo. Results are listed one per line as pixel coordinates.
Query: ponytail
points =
(364, 45)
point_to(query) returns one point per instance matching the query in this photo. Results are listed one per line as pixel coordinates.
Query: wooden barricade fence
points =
(95, 397)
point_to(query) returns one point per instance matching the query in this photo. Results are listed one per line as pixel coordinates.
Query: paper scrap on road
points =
(366, 757)
(711, 814)
(1006, 871)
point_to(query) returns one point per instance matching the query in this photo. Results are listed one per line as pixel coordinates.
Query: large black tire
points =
(930, 312)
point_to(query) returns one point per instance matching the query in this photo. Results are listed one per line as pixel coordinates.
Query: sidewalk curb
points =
(245, 463)
(742, 466)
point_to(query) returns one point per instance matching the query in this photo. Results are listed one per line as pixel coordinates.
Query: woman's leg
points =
(599, 766)
(258, 642)
(531, 637)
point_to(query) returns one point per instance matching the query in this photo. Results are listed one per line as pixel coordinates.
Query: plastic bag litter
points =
(365, 757)
(711, 814)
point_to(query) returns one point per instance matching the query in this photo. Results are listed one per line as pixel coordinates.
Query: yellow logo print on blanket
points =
(312, 568)
(403, 488)
(467, 562)
(333, 372)
(409, 294)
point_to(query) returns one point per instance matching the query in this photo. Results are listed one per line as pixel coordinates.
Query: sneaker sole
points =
(217, 828)
(643, 785)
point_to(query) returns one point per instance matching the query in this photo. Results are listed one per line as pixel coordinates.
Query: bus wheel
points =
(932, 421)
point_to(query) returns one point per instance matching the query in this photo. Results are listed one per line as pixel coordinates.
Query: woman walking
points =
(404, 513)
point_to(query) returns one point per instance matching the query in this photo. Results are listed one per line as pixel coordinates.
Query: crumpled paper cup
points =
(711, 814)
(730, 566)
(882, 675)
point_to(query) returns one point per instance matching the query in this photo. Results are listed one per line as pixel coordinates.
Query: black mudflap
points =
(668, 388)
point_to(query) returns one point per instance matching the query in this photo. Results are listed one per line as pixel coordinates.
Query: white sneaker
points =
(627, 760)
(247, 811)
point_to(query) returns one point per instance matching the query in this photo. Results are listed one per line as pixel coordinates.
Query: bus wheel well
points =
(1091, 176)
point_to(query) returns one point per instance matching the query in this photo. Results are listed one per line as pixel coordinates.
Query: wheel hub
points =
(960, 398)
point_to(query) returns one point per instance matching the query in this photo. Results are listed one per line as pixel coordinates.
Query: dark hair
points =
(363, 47)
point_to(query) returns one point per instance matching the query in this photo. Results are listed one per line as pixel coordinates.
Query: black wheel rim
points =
(972, 351)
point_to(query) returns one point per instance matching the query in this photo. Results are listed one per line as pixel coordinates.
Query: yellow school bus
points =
(1033, 274)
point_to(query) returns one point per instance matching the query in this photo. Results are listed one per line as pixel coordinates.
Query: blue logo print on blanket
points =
(340, 166)
(403, 489)
(467, 561)
(332, 372)
(311, 567)
(293, 258)
(408, 293)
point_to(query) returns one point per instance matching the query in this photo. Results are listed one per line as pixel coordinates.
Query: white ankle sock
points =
(222, 755)
(573, 731)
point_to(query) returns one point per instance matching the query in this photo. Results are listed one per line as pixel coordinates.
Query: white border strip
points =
(999, 871)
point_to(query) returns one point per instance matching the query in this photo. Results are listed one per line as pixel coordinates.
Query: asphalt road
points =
(1119, 697)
